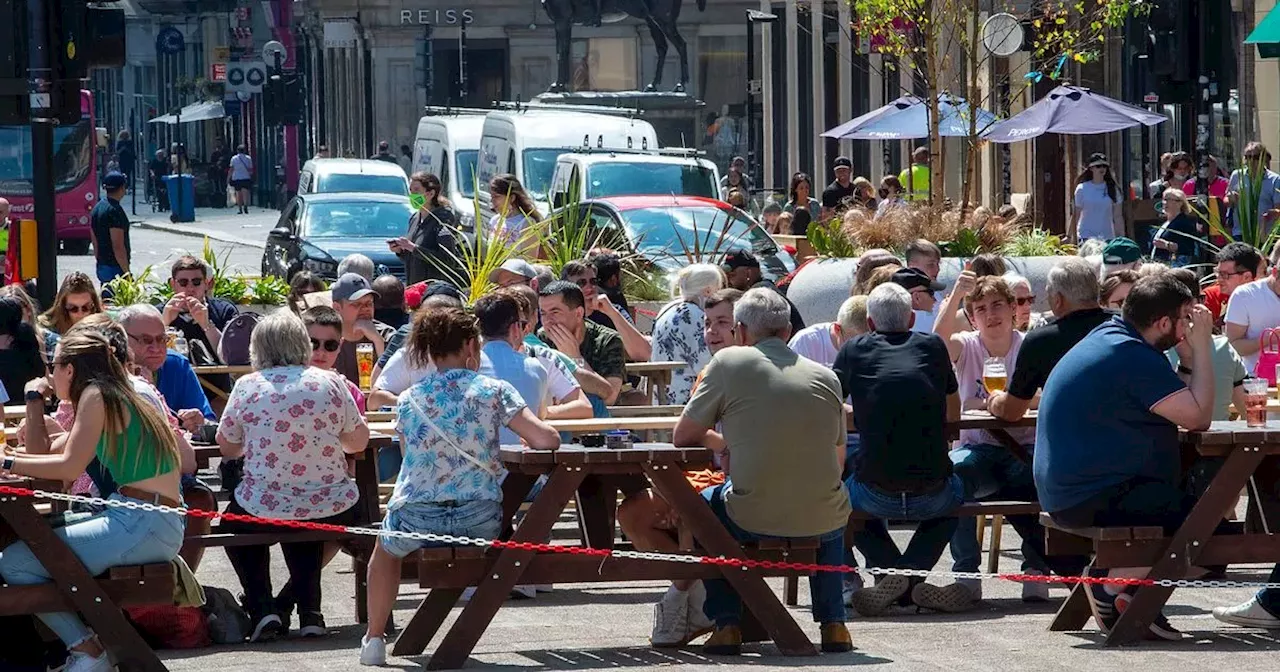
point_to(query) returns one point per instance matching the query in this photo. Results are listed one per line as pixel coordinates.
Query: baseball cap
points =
(1099, 159)
(1121, 251)
(910, 278)
(114, 180)
(520, 267)
(351, 287)
(842, 162)
(739, 259)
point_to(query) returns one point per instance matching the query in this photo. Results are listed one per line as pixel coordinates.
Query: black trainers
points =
(1160, 628)
(312, 624)
(268, 629)
(1101, 603)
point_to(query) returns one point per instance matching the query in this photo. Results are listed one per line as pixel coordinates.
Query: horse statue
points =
(659, 15)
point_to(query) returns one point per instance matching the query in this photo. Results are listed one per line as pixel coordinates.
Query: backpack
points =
(234, 346)
(228, 622)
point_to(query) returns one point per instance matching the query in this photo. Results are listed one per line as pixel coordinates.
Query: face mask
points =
(1180, 175)
(417, 201)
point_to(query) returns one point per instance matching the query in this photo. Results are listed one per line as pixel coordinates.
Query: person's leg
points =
(873, 539)
(825, 587)
(252, 565)
(723, 606)
(198, 496)
(646, 519)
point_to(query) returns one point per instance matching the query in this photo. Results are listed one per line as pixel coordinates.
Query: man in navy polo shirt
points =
(1107, 436)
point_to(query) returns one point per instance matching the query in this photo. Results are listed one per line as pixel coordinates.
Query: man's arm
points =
(1244, 345)
(1192, 407)
(575, 405)
(637, 345)
(1007, 407)
(118, 247)
(605, 388)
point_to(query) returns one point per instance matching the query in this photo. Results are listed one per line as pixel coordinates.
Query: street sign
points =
(217, 72)
(1151, 98)
(246, 77)
(170, 41)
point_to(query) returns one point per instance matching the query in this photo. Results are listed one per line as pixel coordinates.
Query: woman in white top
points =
(1097, 203)
(515, 212)
(241, 178)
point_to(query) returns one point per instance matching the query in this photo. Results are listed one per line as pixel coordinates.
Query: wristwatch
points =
(580, 361)
(7, 463)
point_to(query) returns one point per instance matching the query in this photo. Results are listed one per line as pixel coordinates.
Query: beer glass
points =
(993, 374)
(364, 363)
(1255, 402)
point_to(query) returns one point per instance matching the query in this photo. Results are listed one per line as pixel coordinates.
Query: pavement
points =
(606, 626)
(220, 224)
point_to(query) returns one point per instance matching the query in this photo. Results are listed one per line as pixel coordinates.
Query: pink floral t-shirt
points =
(289, 420)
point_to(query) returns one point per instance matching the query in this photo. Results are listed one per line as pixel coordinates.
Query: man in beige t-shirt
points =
(783, 423)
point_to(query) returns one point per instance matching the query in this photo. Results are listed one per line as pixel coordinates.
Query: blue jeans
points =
(106, 272)
(1269, 598)
(101, 541)
(725, 607)
(389, 460)
(932, 509)
(480, 518)
(990, 471)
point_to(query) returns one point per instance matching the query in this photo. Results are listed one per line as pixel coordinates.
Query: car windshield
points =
(667, 232)
(466, 172)
(626, 178)
(539, 164)
(357, 219)
(72, 157)
(332, 183)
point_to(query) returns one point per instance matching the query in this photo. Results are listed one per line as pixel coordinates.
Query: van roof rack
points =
(440, 110)
(518, 106)
(679, 152)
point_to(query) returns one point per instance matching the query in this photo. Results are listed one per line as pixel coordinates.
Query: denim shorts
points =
(481, 518)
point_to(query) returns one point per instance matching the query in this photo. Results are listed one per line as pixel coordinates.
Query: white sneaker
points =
(1035, 591)
(699, 624)
(974, 586)
(1250, 615)
(544, 587)
(671, 619)
(524, 592)
(852, 584)
(83, 662)
(373, 652)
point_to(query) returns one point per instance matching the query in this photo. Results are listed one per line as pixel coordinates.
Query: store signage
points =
(217, 72)
(437, 17)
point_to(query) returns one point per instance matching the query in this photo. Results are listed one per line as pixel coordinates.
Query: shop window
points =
(721, 77)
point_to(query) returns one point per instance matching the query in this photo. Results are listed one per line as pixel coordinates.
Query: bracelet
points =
(1183, 369)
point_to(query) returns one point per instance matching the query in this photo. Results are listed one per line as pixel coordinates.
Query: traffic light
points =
(1171, 40)
(424, 65)
(80, 37)
(282, 100)
(14, 99)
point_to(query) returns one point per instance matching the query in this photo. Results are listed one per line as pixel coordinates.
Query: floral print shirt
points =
(289, 420)
(469, 409)
(678, 337)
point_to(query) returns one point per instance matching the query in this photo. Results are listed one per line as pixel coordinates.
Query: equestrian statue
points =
(659, 15)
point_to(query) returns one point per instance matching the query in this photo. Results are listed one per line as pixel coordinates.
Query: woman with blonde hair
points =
(1177, 242)
(678, 329)
(133, 442)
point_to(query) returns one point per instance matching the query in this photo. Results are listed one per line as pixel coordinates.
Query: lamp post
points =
(754, 16)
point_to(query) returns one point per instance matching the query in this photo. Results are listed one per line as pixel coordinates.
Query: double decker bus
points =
(75, 174)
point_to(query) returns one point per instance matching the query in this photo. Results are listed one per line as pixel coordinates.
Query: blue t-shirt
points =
(523, 372)
(178, 382)
(1096, 429)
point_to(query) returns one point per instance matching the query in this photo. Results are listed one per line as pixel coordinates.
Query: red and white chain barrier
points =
(605, 553)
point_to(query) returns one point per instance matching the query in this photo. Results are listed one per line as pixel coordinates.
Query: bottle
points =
(180, 345)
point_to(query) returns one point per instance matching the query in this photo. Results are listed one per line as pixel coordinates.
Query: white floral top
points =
(469, 409)
(289, 420)
(678, 337)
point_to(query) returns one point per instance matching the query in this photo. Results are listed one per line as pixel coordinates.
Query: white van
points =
(528, 142)
(328, 176)
(446, 145)
(603, 173)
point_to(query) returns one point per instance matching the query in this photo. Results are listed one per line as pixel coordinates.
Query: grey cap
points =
(520, 267)
(351, 287)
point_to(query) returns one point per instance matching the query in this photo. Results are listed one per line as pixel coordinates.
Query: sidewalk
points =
(220, 224)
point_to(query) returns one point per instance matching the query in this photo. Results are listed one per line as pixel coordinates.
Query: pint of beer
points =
(1255, 402)
(993, 374)
(364, 363)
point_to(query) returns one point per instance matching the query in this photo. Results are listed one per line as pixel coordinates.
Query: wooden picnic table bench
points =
(72, 588)
(1196, 543)
(659, 376)
(494, 576)
(202, 372)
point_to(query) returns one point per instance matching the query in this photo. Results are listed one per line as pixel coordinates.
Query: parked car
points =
(329, 176)
(666, 230)
(316, 231)
(603, 173)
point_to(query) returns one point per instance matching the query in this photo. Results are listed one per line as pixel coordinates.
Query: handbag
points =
(1268, 355)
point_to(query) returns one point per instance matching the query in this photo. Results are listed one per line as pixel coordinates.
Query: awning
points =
(1267, 35)
(202, 111)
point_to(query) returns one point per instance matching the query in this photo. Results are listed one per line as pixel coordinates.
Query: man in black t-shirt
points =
(1073, 298)
(839, 194)
(742, 270)
(903, 391)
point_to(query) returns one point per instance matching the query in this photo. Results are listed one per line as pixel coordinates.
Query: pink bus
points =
(75, 174)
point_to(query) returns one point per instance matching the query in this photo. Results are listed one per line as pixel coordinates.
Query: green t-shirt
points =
(1228, 374)
(782, 418)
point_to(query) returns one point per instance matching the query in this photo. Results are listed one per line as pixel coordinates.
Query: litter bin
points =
(182, 197)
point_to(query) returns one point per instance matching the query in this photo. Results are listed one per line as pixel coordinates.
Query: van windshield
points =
(466, 171)
(539, 164)
(625, 178)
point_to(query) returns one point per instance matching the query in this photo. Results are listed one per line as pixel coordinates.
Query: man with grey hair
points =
(762, 397)
(903, 392)
(170, 371)
(358, 264)
(1073, 297)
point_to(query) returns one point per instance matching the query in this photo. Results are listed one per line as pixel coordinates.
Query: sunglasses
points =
(151, 341)
(77, 309)
(189, 282)
(328, 344)
(1025, 300)
(586, 281)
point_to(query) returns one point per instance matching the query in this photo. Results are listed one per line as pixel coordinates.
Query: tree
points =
(934, 41)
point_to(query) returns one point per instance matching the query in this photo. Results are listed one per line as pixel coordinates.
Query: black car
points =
(316, 231)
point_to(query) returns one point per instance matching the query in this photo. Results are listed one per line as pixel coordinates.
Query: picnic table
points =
(72, 588)
(219, 370)
(658, 374)
(1194, 544)
(495, 575)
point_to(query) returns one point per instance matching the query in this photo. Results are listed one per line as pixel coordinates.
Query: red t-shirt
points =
(1216, 302)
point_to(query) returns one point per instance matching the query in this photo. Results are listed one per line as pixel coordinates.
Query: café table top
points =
(641, 368)
(215, 369)
(579, 454)
(1229, 433)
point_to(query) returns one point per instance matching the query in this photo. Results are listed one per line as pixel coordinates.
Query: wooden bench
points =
(981, 510)
(131, 585)
(1113, 547)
